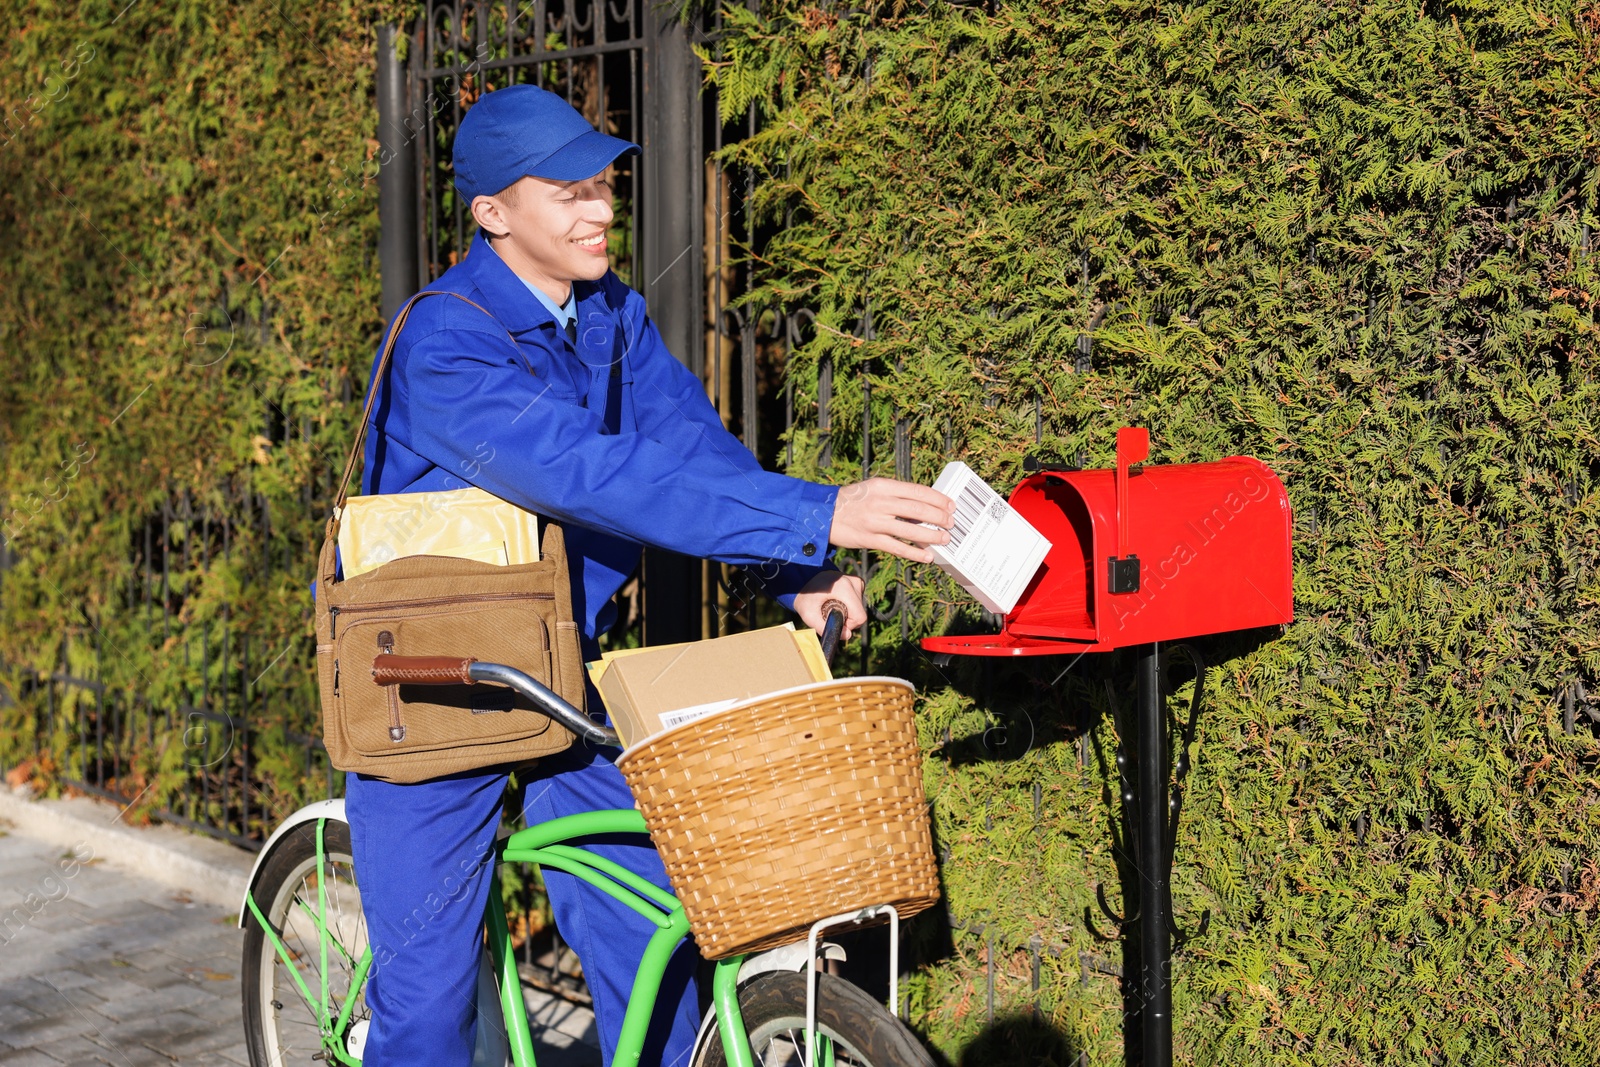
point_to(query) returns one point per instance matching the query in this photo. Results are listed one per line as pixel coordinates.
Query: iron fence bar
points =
(166, 568)
(456, 113)
(397, 172)
(672, 177)
(99, 733)
(244, 741)
(601, 48)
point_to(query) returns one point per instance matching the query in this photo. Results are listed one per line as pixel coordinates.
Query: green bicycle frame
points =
(546, 845)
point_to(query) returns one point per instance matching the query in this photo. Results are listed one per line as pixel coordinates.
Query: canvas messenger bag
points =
(519, 615)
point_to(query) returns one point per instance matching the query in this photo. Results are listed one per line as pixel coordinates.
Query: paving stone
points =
(34, 994)
(218, 960)
(570, 1021)
(174, 974)
(43, 1029)
(111, 986)
(174, 900)
(118, 908)
(65, 914)
(204, 973)
(192, 952)
(191, 1047)
(28, 1058)
(92, 895)
(137, 940)
(12, 1012)
(222, 1011)
(152, 1002)
(66, 978)
(119, 972)
(147, 959)
(212, 969)
(76, 1051)
(88, 952)
(151, 1030)
(26, 954)
(136, 1056)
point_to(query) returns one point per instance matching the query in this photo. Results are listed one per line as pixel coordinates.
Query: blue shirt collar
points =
(504, 287)
(563, 314)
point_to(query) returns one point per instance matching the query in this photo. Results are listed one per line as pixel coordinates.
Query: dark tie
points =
(572, 333)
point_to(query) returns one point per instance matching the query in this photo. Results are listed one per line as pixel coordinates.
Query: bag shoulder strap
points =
(357, 448)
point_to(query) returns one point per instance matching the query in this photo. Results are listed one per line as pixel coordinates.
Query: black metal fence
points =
(197, 751)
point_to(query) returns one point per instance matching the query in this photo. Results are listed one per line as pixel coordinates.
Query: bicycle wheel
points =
(860, 1031)
(285, 1020)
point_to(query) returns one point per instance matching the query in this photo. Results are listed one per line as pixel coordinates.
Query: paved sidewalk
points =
(101, 966)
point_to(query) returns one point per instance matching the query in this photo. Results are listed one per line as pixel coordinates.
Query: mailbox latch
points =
(1122, 574)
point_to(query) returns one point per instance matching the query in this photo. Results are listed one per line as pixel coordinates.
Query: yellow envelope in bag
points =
(468, 523)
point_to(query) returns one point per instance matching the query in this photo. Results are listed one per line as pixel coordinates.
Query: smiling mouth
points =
(591, 242)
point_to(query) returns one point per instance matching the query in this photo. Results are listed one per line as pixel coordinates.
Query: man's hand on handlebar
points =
(886, 515)
(831, 585)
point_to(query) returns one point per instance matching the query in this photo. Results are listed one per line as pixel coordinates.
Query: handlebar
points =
(833, 629)
(389, 669)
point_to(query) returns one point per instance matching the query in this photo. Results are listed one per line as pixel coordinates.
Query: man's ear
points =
(487, 212)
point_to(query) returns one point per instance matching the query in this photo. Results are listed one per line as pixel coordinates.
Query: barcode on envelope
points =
(970, 504)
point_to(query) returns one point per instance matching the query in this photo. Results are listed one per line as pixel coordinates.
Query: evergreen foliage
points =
(1350, 239)
(190, 289)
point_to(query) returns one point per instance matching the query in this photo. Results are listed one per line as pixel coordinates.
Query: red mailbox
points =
(1145, 554)
(1140, 556)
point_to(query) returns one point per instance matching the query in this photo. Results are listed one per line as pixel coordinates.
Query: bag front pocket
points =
(388, 720)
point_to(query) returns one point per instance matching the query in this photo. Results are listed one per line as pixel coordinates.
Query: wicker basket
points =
(786, 809)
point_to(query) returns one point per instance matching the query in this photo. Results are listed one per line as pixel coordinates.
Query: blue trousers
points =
(422, 855)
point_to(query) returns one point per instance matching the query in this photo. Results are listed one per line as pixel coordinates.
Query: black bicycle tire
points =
(844, 1012)
(289, 853)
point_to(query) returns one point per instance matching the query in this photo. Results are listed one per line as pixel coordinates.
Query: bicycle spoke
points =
(337, 923)
(788, 1049)
(300, 935)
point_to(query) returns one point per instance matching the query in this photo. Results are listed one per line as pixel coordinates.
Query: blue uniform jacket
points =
(461, 404)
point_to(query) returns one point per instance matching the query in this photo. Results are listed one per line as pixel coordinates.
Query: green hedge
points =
(1352, 240)
(189, 288)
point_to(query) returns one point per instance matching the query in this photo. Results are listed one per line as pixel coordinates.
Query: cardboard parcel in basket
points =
(648, 690)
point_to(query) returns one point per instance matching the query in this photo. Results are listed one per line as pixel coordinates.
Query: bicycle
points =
(767, 1008)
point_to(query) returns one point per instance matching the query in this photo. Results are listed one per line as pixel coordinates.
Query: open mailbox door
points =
(1146, 553)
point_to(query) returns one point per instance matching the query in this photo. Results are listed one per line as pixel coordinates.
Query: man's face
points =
(555, 231)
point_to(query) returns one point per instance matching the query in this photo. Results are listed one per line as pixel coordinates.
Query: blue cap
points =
(522, 130)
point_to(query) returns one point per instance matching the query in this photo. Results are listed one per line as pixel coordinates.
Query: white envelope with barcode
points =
(993, 552)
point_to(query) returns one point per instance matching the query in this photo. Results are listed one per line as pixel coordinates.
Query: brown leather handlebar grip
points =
(388, 669)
